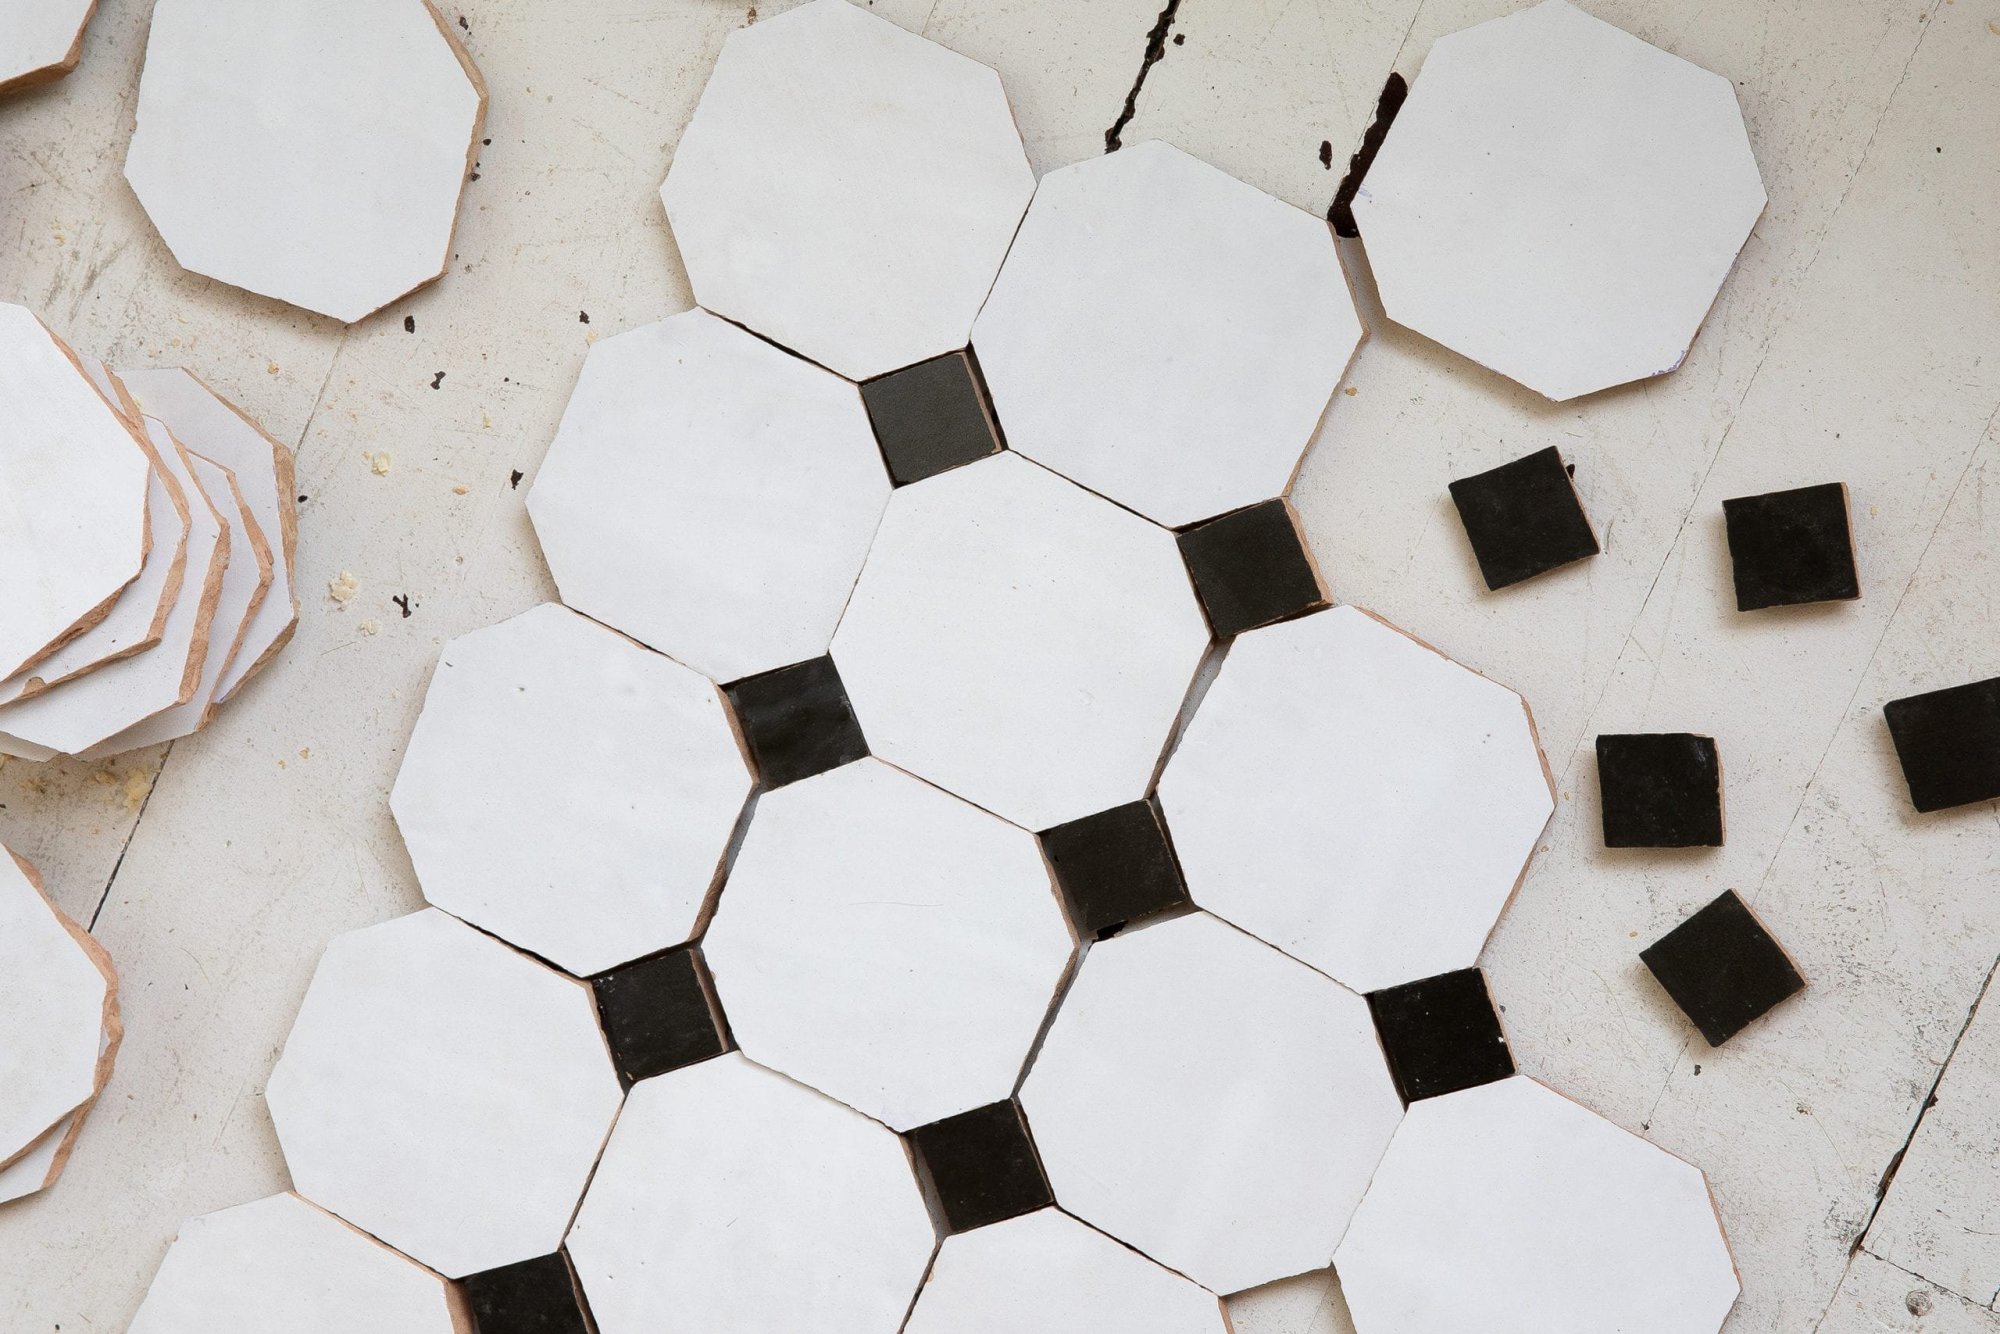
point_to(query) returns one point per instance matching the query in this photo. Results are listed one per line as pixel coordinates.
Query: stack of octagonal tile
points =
(146, 564)
(947, 868)
(59, 1031)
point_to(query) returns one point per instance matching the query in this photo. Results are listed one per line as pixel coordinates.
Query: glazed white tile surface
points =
(1048, 1273)
(1941, 1217)
(888, 944)
(1020, 642)
(102, 703)
(1165, 334)
(138, 619)
(52, 998)
(570, 791)
(40, 39)
(246, 582)
(36, 1168)
(73, 530)
(214, 428)
(1512, 1209)
(710, 495)
(444, 1093)
(281, 1264)
(307, 152)
(1356, 798)
(847, 189)
(1559, 200)
(731, 1198)
(1211, 1102)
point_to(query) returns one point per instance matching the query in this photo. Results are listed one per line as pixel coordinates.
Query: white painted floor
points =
(1859, 340)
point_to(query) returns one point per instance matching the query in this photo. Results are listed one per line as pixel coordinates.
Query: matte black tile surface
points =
(1251, 567)
(1115, 867)
(1722, 968)
(538, 1296)
(1789, 547)
(982, 1166)
(1660, 790)
(797, 721)
(1949, 744)
(1523, 518)
(1441, 1034)
(659, 1014)
(930, 418)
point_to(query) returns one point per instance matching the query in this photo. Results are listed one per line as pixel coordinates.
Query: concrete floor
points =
(1858, 340)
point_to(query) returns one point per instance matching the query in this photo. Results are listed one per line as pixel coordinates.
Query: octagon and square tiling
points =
(1211, 1102)
(731, 1198)
(1166, 335)
(307, 152)
(569, 790)
(1020, 642)
(1559, 200)
(444, 1093)
(710, 495)
(1356, 798)
(888, 944)
(1047, 1273)
(981, 1166)
(847, 189)
(538, 1296)
(1508, 1208)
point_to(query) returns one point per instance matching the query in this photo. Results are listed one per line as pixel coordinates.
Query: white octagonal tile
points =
(444, 1093)
(710, 495)
(303, 151)
(1211, 1102)
(1020, 642)
(282, 1264)
(731, 1198)
(1510, 1209)
(569, 790)
(1045, 1272)
(888, 944)
(40, 40)
(1559, 201)
(1165, 334)
(56, 1015)
(1356, 798)
(847, 188)
(75, 481)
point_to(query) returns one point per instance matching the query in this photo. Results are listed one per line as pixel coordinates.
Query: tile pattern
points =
(659, 1014)
(797, 721)
(1115, 867)
(1441, 1034)
(981, 1166)
(538, 1296)
(931, 417)
(1251, 567)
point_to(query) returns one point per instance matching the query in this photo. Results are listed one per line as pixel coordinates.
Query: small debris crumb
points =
(138, 786)
(305, 752)
(460, 489)
(583, 317)
(1350, 391)
(271, 369)
(437, 379)
(409, 324)
(380, 462)
(370, 627)
(514, 482)
(1326, 154)
(342, 588)
(103, 777)
(403, 600)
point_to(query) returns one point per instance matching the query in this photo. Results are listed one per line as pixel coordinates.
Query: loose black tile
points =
(1115, 867)
(659, 1014)
(797, 721)
(1660, 790)
(1523, 518)
(1789, 547)
(1949, 744)
(1723, 968)
(930, 418)
(538, 1296)
(1251, 567)
(1441, 1034)
(981, 1166)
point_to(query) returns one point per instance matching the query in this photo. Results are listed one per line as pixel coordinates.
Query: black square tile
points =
(1251, 567)
(982, 1166)
(1789, 547)
(1441, 1034)
(1115, 867)
(1660, 790)
(1523, 518)
(930, 418)
(659, 1014)
(1723, 968)
(797, 721)
(538, 1296)
(1949, 744)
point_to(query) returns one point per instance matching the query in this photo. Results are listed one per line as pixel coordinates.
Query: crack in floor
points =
(1156, 49)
